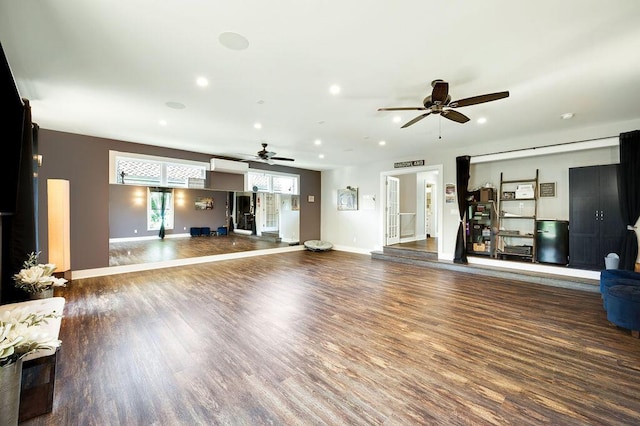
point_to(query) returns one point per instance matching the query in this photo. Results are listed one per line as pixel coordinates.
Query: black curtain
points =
(254, 202)
(463, 165)
(230, 199)
(629, 194)
(21, 233)
(163, 206)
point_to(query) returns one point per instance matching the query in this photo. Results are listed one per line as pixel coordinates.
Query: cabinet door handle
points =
(596, 214)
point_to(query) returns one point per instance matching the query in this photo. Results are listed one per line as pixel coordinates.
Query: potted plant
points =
(37, 279)
(19, 336)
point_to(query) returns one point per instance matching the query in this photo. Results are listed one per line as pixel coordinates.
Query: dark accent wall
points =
(128, 211)
(225, 181)
(84, 161)
(310, 185)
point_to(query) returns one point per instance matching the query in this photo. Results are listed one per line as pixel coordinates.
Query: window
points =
(145, 170)
(138, 172)
(179, 174)
(155, 208)
(273, 183)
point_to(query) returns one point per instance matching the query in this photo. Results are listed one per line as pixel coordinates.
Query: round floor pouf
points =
(608, 281)
(318, 245)
(623, 306)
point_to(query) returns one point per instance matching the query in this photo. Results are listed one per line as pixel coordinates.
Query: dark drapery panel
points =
(230, 206)
(629, 194)
(21, 227)
(36, 167)
(166, 193)
(463, 165)
(163, 206)
(254, 200)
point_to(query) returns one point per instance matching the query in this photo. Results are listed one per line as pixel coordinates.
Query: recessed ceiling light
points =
(162, 122)
(233, 41)
(321, 156)
(567, 115)
(317, 142)
(257, 126)
(334, 89)
(175, 105)
(382, 143)
(397, 119)
(202, 82)
(260, 101)
(481, 120)
(321, 122)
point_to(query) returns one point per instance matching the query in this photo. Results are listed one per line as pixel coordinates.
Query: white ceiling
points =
(108, 69)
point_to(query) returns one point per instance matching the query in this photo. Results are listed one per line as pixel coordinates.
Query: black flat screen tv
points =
(11, 128)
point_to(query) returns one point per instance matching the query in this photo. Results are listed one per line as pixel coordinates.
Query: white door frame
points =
(439, 204)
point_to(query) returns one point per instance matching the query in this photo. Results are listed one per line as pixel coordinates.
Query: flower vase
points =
(10, 381)
(43, 294)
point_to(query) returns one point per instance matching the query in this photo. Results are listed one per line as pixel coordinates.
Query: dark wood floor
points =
(429, 245)
(337, 338)
(157, 250)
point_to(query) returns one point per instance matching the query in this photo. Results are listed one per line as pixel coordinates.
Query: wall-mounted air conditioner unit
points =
(228, 166)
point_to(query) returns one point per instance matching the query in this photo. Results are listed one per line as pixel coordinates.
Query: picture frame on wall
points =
(204, 203)
(348, 199)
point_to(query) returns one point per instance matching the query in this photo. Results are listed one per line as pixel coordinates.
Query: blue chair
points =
(613, 277)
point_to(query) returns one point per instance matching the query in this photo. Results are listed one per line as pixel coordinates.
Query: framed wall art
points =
(348, 199)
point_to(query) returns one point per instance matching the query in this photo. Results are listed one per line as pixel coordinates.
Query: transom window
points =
(274, 183)
(135, 169)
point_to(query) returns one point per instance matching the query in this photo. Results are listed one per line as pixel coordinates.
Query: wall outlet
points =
(135, 231)
(185, 228)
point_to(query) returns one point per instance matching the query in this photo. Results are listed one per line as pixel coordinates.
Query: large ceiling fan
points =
(439, 102)
(269, 156)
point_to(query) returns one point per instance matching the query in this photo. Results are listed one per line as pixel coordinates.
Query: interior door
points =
(392, 231)
(271, 213)
(428, 211)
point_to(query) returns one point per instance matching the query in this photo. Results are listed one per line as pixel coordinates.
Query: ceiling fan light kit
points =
(439, 102)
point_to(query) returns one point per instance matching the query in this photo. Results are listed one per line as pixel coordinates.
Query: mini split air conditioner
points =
(228, 166)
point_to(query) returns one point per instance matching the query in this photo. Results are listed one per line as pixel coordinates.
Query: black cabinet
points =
(596, 226)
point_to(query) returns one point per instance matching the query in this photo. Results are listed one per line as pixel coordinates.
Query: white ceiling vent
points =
(228, 166)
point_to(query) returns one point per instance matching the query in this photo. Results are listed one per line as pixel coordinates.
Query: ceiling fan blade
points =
(281, 159)
(402, 109)
(454, 116)
(440, 92)
(415, 120)
(479, 99)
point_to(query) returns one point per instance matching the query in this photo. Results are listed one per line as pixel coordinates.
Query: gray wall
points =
(127, 215)
(84, 161)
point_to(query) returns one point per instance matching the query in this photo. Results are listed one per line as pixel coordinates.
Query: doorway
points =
(412, 213)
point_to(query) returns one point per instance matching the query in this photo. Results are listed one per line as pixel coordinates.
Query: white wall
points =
(551, 168)
(362, 230)
(289, 220)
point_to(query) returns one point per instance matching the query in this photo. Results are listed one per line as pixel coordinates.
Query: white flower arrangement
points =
(36, 277)
(19, 335)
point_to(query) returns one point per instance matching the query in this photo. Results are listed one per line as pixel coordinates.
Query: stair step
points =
(430, 262)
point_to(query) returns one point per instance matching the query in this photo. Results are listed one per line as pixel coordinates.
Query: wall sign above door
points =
(413, 163)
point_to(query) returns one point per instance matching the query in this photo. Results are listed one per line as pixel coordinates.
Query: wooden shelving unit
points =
(518, 210)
